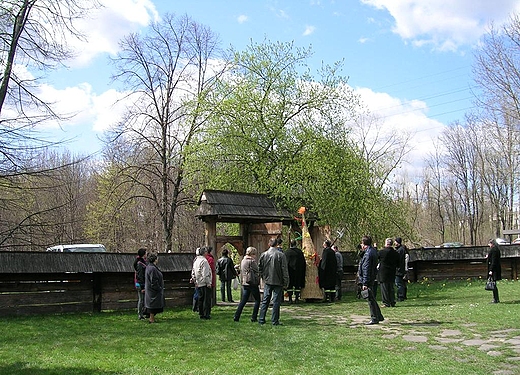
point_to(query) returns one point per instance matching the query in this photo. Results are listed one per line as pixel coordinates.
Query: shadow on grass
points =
(20, 368)
(515, 302)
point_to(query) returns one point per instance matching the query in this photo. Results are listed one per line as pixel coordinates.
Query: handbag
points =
(365, 293)
(490, 284)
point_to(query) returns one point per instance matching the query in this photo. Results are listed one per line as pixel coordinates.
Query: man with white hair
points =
(202, 276)
(388, 262)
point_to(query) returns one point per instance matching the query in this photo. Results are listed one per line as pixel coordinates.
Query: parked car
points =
(501, 241)
(78, 248)
(451, 244)
(517, 240)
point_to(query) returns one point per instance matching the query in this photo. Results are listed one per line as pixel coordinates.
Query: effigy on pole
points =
(312, 288)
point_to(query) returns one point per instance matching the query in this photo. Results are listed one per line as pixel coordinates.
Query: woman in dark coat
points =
(154, 288)
(327, 271)
(494, 267)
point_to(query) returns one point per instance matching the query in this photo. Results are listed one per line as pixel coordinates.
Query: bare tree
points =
(497, 75)
(168, 72)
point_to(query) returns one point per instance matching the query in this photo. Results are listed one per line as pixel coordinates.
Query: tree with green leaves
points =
(279, 130)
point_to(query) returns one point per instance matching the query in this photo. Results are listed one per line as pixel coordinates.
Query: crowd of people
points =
(284, 273)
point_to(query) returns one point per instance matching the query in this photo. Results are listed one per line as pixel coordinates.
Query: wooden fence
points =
(41, 282)
(44, 283)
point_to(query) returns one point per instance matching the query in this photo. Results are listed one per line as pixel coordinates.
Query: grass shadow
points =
(21, 368)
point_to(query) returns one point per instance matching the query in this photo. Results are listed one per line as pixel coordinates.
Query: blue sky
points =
(410, 60)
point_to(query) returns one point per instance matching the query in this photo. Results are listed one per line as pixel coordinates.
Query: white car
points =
(501, 241)
(78, 248)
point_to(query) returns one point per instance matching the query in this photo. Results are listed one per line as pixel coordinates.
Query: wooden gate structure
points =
(258, 216)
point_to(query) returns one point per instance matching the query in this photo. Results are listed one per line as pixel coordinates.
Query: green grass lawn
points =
(443, 328)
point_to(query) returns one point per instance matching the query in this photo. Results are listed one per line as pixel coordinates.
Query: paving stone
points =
(445, 340)
(513, 359)
(451, 332)
(494, 353)
(487, 347)
(413, 338)
(474, 342)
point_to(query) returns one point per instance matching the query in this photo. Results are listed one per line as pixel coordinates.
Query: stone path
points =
(452, 339)
(498, 343)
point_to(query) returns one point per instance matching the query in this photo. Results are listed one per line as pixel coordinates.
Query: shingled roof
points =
(236, 207)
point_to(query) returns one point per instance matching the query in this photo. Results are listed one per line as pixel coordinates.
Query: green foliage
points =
(449, 317)
(284, 132)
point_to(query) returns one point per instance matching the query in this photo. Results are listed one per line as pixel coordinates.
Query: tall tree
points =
(282, 130)
(168, 72)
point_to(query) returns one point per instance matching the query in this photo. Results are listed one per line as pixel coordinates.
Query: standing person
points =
(296, 266)
(327, 271)
(226, 272)
(273, 270)
(139, 280)
(201, 273)
(388, 263)
(402, 269)
(494, 267)
(195, 306)
(339, 274)
(212, 266)
(154, 287)
(367, 275)
(250, 276)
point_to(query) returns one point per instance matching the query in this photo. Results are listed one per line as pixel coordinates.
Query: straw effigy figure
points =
(312, 288)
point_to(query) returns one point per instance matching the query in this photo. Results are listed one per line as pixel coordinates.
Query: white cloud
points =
(106, 26)
(242, 18)
(309, 30)
(405, 117)
(444, 24)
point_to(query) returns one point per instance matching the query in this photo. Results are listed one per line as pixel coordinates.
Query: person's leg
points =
(140, 303)
(223, 290)
(399, 283)
(256, 295)
(202, 297)
(384, 294)
(375, 311)
(229, 293)
(391, 293)
(265, 303)
(152, 318)
(339, 277)
(277, 301)
(495, 294)
(207, 302)
(246, 292)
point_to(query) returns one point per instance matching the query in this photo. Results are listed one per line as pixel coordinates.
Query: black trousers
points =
(388, 293)
(205, 295)
(375, 311)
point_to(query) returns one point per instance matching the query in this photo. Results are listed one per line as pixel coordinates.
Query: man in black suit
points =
(388, 262)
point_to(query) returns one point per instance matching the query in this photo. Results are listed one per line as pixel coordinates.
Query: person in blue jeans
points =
(250, 277)
(275, 273)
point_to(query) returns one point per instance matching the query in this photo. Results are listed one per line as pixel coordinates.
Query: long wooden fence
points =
(43, 283)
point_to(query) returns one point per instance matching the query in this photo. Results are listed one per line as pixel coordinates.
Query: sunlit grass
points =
(315, 338)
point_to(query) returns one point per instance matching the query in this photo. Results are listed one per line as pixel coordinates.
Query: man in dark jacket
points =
(296, 265)
(274, 271)
(388, 263)
(402, 269)
(226, 272)
(367, 276)
(327, 271)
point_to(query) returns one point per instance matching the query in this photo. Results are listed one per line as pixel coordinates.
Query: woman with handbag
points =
(494, 267)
